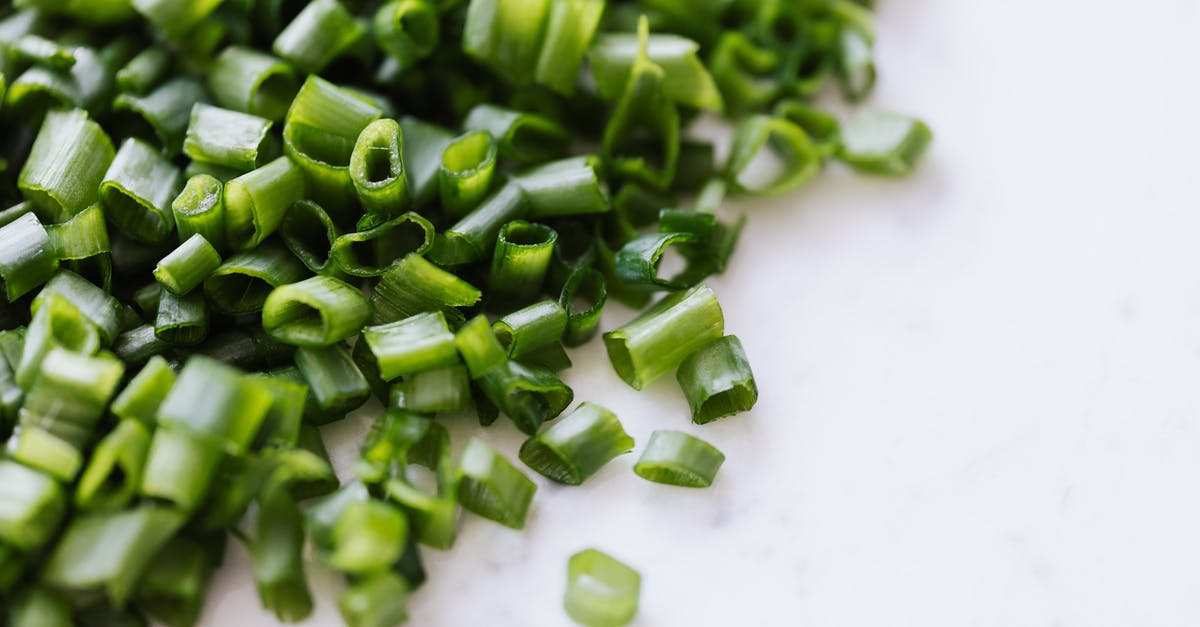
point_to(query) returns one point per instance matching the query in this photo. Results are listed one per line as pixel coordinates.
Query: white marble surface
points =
(978, 387)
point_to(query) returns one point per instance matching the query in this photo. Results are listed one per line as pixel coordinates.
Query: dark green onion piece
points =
(407, 30)
(583, 297)
(162, 115)
(317, 311)
(532, 328)
(492, 487)
(370, 252)
(246, 80)
(601, 591)
(423, 146)
(188, 265)
(521, 136)
(200, 210)
(230, 138)
(256, 201)
(569, 32)
(506, 35)
(637, 263)
(413, 285)
(336, 383)
(137, 191)
(676, 458)
(173, 587)
(181, 320)
(277, 552)
(410, 345)
(468, 165)
(798, 159)
(698, 224)
(695, 167)
(745, 72)
(114, 472)
(520, 260)
(473, 237)
(139, 344)
(173, 18)
(877, 142)
(686, 81)
(565, 188)
(377, 168)
(242, 283)
(655, 342)
(31, 506)
(717, 381)
(309, 233)
(442, 389)
(109, 551)
(27, 259)
(144, 71)
(320, 33)
(576, 446)
(529, 395)
(322, 127)
(379, 600)
(38, 607)
(478, 346)
(822, 128)
(62, 174)
(142, 396)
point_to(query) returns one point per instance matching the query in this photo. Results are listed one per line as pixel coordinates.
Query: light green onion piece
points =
(473, 237)
(565, 188)
(423, 146)
(884, 143)
(407, 30)
(109, 551)
(175, 19)
(745, 72)
(601, 591)
(277, 552)
(527, 394)
(578, 445)
(506, 35)
(855, 66)
(38, 607)
(281, 427)
(478, 346)
(186, 267)
(686, 82)
(676, 458)
(520, 261)
(56, 323)
(309, 233)
(256, 201)
(229, 138)
(161, 117)
(531, 328)
(31, 506)
(569, 31)
(137, 191)
(181, 320)
(66, 165)
(41, 51)
(413, 285)
(174, 583)
(27, 259)
(442, 389)
(658, 340)
(114, 472)
(200, 210)
(98, 306)
(242, 282)
(144, 70)
(369, 252)
(583, 295)
(524, 137)
(410, 345)
(377, 168)
(822, 128)
(140, 399)
(82, 243)
(336, 383)
(317, 311)
(69, 396)
(378, 600)
(798, 159)
(246, 80)
(490, 486)
(717, 381)
(468, 165)
(321, 32)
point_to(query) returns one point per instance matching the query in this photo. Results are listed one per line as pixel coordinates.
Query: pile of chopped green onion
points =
(231, 222)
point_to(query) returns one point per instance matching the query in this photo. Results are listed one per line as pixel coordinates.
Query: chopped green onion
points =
(27, 260)
(175, 19)
(473, 237)
(370, 252)
(535, 327)
(565, 187)
(114, 472)
(442, 389)
(506, 35)
(173, 586)
(377, 167)
(99, 307)
(822, 128)
(387, 445)
(884, 143)
(745, 72)
(41, 51)
(529, 395)
(181, 320)
(321, 32)
(277, 551)
(423, 146)
(31, 506)
(38, 607)
(66, 165)
(524, 137)
(242, 283)
(188, 265)
(480, 349)
(162, 115)
(410, 345)
(142, 396)
(256, 201)
(578, 445)
(569, 31)
(856, 68)
(317, 311)
(309, 233)
(379, 600)
(69, 396)
(492, 487)
(144, 70)
(246, 80)
(686, 81)
(413, 285)
(407, 30)
(468, 165)
(583, 296)
(336, 383)
(717, 381)
(601, 591)
(230, 138)
(800, 159)
(83, 239)
(637, 263)
(56, 323)
(139, 344)
(520, 260)
(676, 458)
(87, 85)
(200, 210)
(655, 342)
(281, 427)
(137, 191)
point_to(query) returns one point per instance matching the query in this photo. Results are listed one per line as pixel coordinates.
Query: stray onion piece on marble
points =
(226, 223)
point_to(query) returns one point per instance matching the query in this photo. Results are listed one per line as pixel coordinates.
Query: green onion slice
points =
(410, 345)
(377, 168)
(659, 339)
(317, 311)
(490, 486)
(717, 381)
(884, 143)
(601, 591)
(578, 445)
(528, 394)
(676, 458)
(137, 191)
(188, 265)
(246, 80)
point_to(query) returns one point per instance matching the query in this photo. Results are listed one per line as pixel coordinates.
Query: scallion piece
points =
(877, 142)
(229, 138)
(377, 167)
(336, 383)
(676, 458)
(98, 306)
(442, 389)
(67, 399)
(200, 210)
(637, 263)
(256, 201)
(601, 591)
(490, 486)
(140, 399)
(246, 80)
(139, 344)
(242, 283)
(188, 265)
(181, 320)
(578, 445)
(309, 233)
(66, 165)
(506, 35)
(520, 136)
(745, 72)
(38, 607)
(473, 237)
(174, 583)
(56, 323)
(143, 71)
(566, 187)
(407, 30)
(369, 252)
(855, 65)
(468, 165)
(569, 31)
(423, 146)
(41, 51)
(281, 427)
(277, 551)
(686, 80)
(114, 472)
(658, 340)
(137, 191)
(410, 345)
(322, 127)
(520, 260)
(583, 297)
(822, 128)
(478, 346)
(529, 395)
(531, 328)
(27, 259)
(161, 116)
(413, 285)
(81, 243)
(798, 159)
(31, 506)
(717, 381)
(378, 600)
(320, 32)
(175, 19)
(317, 311)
